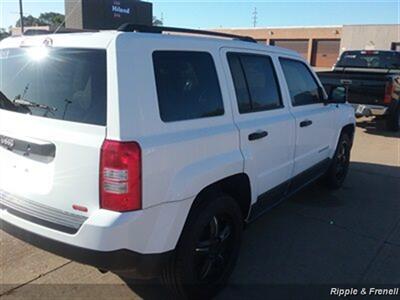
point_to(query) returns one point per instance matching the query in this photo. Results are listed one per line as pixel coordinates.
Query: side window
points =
(302, 86)
(187, 85)
(255, 82)
(239, 81)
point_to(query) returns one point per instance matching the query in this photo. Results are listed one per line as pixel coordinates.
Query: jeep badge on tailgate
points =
(6, 142)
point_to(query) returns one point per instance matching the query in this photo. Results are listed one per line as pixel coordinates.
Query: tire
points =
(202, 263)
(393, 122)
(337, 172)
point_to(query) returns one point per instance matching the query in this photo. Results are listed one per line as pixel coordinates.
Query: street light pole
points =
(21, 15)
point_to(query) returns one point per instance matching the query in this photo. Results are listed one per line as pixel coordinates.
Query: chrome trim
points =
(378, 111)
(370, 110)
(27, 209)
(31, 149)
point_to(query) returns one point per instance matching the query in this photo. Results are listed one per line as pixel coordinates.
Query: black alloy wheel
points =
(214, 249)
(342, 160)
(208, 249)
(337, 172)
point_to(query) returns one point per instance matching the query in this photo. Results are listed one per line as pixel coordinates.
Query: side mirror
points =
(338, 95)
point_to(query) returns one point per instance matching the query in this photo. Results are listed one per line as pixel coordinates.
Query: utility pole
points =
(21, 15)
(255, 17)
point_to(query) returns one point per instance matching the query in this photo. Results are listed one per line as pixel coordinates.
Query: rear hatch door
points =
(52, 125)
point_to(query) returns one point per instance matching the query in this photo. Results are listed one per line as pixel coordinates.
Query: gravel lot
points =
(349, 236)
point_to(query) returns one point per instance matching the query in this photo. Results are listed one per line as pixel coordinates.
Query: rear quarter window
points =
(187, 85)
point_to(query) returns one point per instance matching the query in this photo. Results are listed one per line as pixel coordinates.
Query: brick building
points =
(322, 45)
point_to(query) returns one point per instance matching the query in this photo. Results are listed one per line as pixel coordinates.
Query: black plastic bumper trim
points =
(138, 265)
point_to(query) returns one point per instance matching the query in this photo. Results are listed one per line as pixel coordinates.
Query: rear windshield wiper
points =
(30, 104)
(6, 103)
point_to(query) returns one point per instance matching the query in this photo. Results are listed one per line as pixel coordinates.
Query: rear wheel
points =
(339, 168)
(207, 251)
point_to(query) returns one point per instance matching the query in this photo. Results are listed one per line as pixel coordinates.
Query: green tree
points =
(157, 22)
(52, 19)
(3, 33)
(30, 21)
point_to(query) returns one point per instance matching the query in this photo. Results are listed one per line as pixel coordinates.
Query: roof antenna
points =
(255, 17)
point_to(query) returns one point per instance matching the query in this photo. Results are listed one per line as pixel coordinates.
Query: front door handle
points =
(305, 123)
(257, 135)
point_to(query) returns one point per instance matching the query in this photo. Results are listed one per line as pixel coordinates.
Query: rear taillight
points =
(388, 93)
(120, 176)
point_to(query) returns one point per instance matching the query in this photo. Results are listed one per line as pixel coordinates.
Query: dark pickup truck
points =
(372, 82)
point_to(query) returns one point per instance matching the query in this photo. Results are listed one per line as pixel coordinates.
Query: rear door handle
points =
(305, 123)
(257, 135)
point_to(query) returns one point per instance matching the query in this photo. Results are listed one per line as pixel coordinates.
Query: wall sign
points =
(107, 14)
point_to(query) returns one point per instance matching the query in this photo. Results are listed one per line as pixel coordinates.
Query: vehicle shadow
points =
(151, 289)
(314, 240)
(376, 127)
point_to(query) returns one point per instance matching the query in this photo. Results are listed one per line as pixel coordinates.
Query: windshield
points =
(370, 59)
(58, 83)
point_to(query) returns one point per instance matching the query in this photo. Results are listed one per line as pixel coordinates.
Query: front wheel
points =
(339, 168)
(207, 250)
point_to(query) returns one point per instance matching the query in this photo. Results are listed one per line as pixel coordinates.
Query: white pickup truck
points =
(145, 153)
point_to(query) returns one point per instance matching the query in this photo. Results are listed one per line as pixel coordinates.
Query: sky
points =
(239, 13)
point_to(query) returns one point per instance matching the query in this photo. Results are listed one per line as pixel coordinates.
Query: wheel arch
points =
(237, 186)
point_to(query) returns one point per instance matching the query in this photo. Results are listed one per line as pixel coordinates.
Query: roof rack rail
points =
(59, 31)
(129, 27)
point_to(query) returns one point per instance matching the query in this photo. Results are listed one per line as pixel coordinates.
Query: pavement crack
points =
(336, 225)
(34, 279)
(392, 244)
(375, 173)
(382, 244)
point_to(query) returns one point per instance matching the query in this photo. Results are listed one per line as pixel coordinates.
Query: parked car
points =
(373, 83)
(145, 153)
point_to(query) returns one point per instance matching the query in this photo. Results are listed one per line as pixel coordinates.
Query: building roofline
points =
(276, 27)
(299, 27)
(371, 25)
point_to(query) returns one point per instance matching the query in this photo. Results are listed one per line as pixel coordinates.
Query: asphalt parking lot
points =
(349, 236)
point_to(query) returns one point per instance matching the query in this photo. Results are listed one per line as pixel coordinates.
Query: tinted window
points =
(63, 84)
(239, 81)
(302, 86)
(370, 59)
(187, 85)
(255, 82)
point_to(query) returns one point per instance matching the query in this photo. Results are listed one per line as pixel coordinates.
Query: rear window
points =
(370, 59)
(63, 84)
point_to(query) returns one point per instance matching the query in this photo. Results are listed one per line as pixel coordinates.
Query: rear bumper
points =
(139, 265)
(138, 242)
(148, 231)
(41, 214)
(368, 110)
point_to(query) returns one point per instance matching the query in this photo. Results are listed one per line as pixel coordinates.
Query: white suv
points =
(145, 153)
